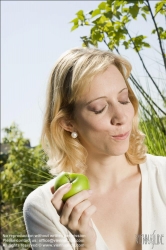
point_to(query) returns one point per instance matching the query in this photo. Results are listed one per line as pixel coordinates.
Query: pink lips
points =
(121, 137)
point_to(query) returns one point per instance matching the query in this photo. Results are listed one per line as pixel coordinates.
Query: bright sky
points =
(33, 35)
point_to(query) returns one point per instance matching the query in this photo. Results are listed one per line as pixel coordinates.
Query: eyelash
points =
(124, 103)
(100, 111)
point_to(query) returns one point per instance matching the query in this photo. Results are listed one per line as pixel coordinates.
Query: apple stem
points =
(68, 178)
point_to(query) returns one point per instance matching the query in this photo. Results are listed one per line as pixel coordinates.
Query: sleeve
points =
(43, 233)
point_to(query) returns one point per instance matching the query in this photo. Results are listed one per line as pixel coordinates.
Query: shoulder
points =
(156, 162)
(154, 171)
(38, 198)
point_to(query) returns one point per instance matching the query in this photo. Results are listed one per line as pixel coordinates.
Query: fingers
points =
(71, 203)
(58, 195)
(73, 218)
(75, 214)
(79, 209)
(76, 211)
(86, 216)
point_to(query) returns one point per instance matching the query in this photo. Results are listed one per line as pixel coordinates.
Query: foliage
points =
(24, 170)
(154, 134)
(109, 24)
(109, 20)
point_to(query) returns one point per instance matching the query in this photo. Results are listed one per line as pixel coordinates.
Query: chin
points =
(118, 153)
(119, 150)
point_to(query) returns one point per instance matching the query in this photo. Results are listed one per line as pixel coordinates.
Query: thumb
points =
(58, 195)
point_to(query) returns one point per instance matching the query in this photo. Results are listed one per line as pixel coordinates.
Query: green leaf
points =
(145, 9)
(163, 35)
(117, 25)
(117, 4)
(97, 36)
(109, 15)
(80, 15)
(139, 43)
(72, 21)
(118, 14)
(139, 39)
(126, 44)
(160, 29)
(153, 31)
(125, 19)
(160, 7)
(147, 45)
(101, 20)
(95, 12)
(125, 9)
(108, 28)
(132, 1)
(74, 27)
(102, 5)
(134, 10)
(111, 45)
(107, 8)
(84, 45)
(144, 16)
(75, 21)
(119, 36)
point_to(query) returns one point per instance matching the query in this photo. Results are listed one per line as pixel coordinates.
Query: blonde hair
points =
(72, 72)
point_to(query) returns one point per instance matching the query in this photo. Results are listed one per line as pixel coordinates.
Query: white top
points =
(46, 232)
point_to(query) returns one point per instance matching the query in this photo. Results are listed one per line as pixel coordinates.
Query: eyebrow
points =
(104, 96)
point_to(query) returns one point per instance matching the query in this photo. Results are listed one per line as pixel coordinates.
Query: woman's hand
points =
(75, 214)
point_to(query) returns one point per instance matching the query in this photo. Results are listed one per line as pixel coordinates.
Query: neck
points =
(109, 172)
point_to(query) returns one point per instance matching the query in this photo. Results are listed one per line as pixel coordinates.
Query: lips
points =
(121, 136)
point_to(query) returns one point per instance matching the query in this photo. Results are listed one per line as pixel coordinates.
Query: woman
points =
(91, 127)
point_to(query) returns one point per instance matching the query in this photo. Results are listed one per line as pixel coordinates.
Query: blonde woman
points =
(91, 127)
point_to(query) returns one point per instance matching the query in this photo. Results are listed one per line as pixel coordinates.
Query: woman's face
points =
(104, 114)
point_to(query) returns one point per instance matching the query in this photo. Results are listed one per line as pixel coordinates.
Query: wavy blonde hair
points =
(70, 76)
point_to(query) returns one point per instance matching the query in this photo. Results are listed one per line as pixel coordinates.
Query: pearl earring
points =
(74, 135)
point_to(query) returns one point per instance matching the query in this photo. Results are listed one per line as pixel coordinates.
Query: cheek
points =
(88, 124)
(85, 125)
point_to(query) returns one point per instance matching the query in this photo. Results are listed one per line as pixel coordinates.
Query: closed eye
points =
(124, 103)
(99, 111)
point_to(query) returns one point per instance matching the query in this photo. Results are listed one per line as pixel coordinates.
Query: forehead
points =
(107, 83)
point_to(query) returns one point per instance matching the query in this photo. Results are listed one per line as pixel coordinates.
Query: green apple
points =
(79, 182)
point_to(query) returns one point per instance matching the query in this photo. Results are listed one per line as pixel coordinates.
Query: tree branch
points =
(162, 51)
(164, 99)
(139, 87)
(146, 96)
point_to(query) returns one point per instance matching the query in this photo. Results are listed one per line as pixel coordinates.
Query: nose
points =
(118, 117)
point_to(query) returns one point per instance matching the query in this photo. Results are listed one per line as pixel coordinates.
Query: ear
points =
(67, 124)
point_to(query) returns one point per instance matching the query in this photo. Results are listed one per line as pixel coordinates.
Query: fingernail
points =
(90, 191)
(52, 190)
(67, 185)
